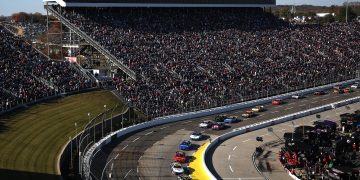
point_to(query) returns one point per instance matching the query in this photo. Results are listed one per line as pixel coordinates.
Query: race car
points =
(184, 177)
(297, 96)
(231, 119)
(176, 168)
(318, 93)
(258, 109)
(355, 86)
(196, 136)
(180, 156)
(220, 118)
(248, 114)
(338, 91)
(348, 90)
(206, 124)
(277, 102)
(218, 126)
(185, 145)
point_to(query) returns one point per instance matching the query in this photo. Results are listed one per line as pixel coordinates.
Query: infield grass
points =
(31, 139)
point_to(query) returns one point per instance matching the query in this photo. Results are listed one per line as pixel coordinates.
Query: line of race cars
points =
(224, 121)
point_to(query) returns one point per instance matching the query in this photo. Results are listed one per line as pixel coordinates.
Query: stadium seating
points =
(26, 76)
(188, 57)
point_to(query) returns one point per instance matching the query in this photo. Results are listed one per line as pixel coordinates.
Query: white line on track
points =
(234, 148)
(325, 99)
(96, 152)
(305, 100)
(281, 130)
(140, 158)
(137, 169)
(274, 112)
(231, 169)
(246, 140)
(277, 107)
(202, 131)
(116, 156)
(229, 157)
(261, 115)
(289, 108)
(112, 166)
(127, 173)
(314, 102)
(182, 129)
(149, 133)
(124, 147)
(164, 127)
(136, 139)
(292, 103)
(302, 104)
(264, 135)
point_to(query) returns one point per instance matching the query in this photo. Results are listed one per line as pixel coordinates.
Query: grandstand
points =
(171, 60)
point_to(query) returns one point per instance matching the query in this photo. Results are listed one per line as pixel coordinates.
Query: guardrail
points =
(191, 115)
(271, 122)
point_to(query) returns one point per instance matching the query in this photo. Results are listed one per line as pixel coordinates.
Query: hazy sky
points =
(8, 7)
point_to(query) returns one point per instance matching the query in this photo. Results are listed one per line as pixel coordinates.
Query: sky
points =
(8, 7)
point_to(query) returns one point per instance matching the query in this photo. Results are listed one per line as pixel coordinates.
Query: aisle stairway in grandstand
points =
(92, 42)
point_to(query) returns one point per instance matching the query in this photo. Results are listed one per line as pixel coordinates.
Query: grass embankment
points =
(31, 139)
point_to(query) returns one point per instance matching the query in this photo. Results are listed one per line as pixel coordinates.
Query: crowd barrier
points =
(191, 115)
(271, 122)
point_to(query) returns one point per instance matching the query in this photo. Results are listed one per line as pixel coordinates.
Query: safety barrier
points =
(191, 115)
(271, 122)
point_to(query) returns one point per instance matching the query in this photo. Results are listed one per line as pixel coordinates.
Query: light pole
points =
(347, 8)
(71, 159)
(75, 135)
(102, 124)
(111, 121)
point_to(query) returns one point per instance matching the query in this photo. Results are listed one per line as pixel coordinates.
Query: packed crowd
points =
(25, 75)
(32, 30)
(204, 57)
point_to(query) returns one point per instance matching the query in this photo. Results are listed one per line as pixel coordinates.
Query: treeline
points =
(28, 17)
(310, 11)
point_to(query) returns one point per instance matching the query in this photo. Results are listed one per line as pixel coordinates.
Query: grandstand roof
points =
(164, 3)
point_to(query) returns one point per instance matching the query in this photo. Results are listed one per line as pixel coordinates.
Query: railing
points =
(92, 42)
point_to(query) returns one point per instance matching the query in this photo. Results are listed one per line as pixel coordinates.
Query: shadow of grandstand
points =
(19, 175)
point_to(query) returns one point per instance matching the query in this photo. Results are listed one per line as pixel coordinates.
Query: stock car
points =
(218, 126)
(348, 90)
(318, 93)
(185, 145)
(277, 102)
(355, 86)
(338, 91)
(184, 177)
(258, 109)
(248, 114)
(297, 96)
(176, 168)
(180, 156)
(231, 119)
(206, 124)
(220, 118)
(196, 136)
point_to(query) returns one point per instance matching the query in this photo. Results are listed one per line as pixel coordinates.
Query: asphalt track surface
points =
(129, 153)
(232, 159)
